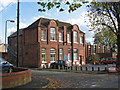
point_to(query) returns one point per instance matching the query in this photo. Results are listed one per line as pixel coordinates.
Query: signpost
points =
(65, 57)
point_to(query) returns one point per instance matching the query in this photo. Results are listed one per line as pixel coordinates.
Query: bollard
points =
(92, 68)
(76, 68)
(59, 67)
(105, 68)
(43, 66)
(98, 68)
(71, 67)
(62, 67)
(86, 68)
(81, 68)
(67, 68)
(53, 66)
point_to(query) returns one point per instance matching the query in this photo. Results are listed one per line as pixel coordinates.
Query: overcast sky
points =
(29, 13)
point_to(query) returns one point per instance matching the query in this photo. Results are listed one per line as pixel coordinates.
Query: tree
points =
(107, 9)
(106, 38)
(107, 14)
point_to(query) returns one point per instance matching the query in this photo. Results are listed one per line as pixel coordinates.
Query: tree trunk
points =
(118, 53)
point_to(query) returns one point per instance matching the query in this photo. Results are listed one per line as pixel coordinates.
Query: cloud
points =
(4, 3)
(1, 8)
(80, 20)
(89, 37)
(23, 25)
(35, 18)
(11, 30)
(14, 29)
(57, 10)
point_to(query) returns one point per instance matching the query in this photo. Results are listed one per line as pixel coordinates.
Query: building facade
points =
(46, 41)
(3, 51)
(102, 51)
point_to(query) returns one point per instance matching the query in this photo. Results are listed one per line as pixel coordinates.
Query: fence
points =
(80, 68)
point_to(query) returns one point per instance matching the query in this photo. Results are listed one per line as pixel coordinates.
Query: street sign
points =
(112, 69)
(65, 57)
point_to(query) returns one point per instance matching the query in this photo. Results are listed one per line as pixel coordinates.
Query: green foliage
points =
(105, 37)
(95, 58)
(49, 5)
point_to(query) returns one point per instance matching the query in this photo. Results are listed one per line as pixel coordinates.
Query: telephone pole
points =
(17, 33)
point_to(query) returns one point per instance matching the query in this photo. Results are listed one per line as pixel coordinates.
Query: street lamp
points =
(6, 31)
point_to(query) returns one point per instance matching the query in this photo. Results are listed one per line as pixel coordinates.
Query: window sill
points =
(52, 61)
(43, 40)
(60, 41)
(68, 42)
(44, 61)
(53, 40)
(75, 60)
(76, 42)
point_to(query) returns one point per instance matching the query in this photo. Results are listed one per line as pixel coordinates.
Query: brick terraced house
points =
(45, 41)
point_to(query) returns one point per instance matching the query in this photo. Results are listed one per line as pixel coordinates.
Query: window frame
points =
(61, 54)
(75, 55)
(52, 34)
(44, 35)
(81, 39)
(43, 53)
(53, 54)
(75, 34)
(69, 52)
(68, 38)
(60, 37)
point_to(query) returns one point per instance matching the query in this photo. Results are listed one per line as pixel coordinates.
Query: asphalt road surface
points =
(78, 80)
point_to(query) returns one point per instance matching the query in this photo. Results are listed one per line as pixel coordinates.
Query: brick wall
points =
(30, 45)
(100, 50)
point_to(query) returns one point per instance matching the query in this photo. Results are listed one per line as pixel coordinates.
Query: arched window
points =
(53, 54)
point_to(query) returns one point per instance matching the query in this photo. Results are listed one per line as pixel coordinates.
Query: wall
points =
(10, 80)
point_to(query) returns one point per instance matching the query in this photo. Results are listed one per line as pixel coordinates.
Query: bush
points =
(95, 58)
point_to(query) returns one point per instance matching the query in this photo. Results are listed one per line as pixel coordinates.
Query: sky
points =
(29, 13)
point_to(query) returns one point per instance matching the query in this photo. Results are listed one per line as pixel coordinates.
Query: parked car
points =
(61, 63)
(109, 60)
(5, 66)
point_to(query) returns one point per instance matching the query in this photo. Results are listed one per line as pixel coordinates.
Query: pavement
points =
(54, 78)
(37, 82)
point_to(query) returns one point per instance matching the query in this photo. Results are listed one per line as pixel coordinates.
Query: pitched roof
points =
(43, 23)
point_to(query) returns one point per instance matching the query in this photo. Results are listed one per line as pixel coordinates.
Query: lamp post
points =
(6, 31)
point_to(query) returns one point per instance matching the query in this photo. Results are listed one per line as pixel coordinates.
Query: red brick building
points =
(102, 51)
(46, 41)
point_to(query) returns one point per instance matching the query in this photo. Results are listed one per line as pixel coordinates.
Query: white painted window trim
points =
(44, 61)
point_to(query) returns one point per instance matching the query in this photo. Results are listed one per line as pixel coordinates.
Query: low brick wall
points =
(21, 76)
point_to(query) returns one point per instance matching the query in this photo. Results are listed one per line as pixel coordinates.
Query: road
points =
(78, 80)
